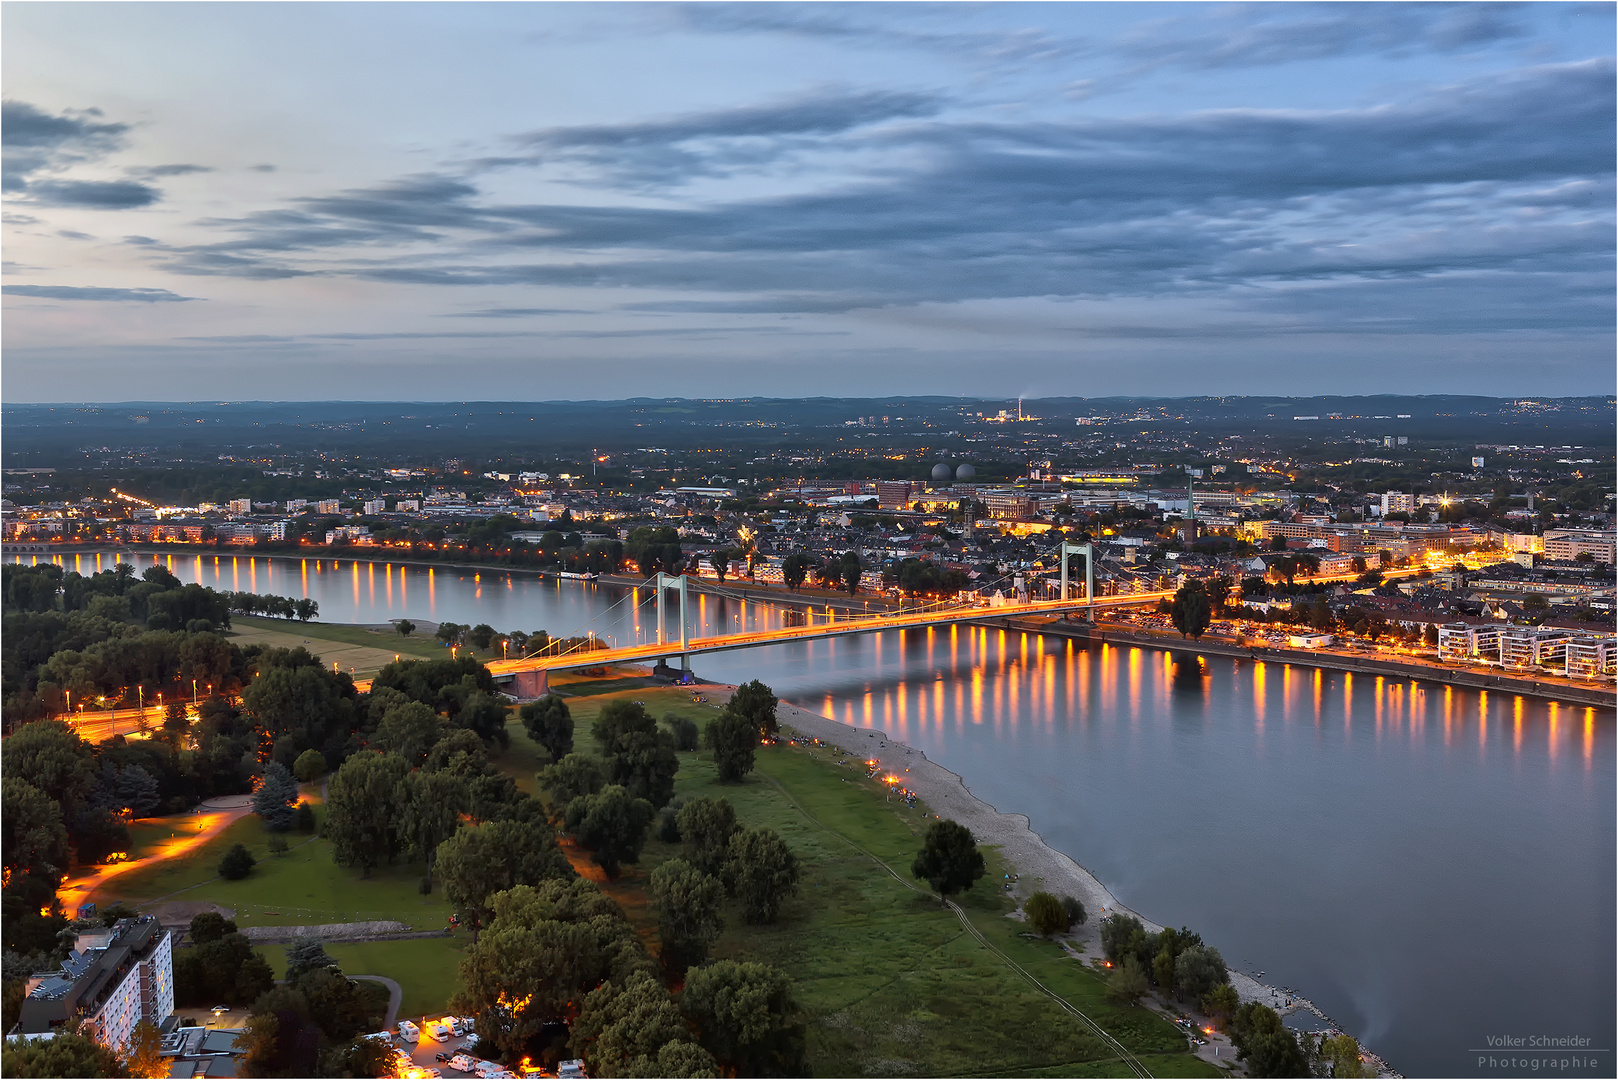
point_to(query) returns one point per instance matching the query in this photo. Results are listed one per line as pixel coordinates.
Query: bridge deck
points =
(835, 628)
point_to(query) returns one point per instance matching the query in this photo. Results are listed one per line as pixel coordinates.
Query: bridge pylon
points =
(676, 582)
(1089, 575)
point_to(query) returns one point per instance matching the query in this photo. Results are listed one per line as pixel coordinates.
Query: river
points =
(1433, 867)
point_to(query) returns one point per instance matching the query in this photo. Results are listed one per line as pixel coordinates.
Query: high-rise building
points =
(241, 506)
(111, 981)
(329, 506)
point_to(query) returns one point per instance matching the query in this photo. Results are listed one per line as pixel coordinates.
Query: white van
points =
(461, 1062)
(409, 1032)
(455, 1025)
(439, 1031)
(571, 1069)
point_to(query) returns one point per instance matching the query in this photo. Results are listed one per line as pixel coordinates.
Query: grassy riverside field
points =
(892, 983)
(364, 650)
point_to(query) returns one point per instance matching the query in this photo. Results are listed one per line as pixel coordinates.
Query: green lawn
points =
(892, 982)
(428, 969)
(302, 886)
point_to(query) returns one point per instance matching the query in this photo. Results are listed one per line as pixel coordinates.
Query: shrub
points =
(278, 845)
(237, 863)
(1046, 914)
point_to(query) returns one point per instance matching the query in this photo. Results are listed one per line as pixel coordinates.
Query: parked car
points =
(443, 1055)
(455, 1025)
(571, 1070)
(438, 1031)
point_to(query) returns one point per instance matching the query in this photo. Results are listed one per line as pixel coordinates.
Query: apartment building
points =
(111, 981)
(1571, 543)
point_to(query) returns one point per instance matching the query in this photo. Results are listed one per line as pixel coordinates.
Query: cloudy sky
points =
(452, 201)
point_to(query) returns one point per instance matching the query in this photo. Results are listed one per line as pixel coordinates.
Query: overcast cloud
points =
(452, 201)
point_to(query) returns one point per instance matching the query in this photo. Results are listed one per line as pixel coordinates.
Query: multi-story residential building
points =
(1599, 544)
(1532, 646)
(111, 981)
(1592, 656)
(329, 506)
(1462, 641)
(240, 506)
(374, 506)
(1395, 502)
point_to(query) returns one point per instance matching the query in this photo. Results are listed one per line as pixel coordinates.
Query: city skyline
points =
(552, 202)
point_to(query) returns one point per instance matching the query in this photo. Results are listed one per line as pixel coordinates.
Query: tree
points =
(688, 912)
(1127, 984)
(763, 871)
(635, 754)
(306, 957)
(429, 812)
(335, 1003)
(405, 627)
(544, 949)
(852, 572)
(1076, 915)
(1265, 1044)
(1343, 1051)
(481, 635)
(683, 730)
(706, 826)
(950, 860)
(1220, 1005)
(573, 776)
(68, 1054)
(794, 568)
(479, 861)
(734, 741)
(746, 1017)
(757, 703)
(276, 796)
(362, 809)
(237, 863)
(310, 766)
(35, 840)
(611, 825)
(209, 926)
(364, 1056)
(1045, 914)
(549, 723)
(50, 755)
(1219, 592)
(1191, 610)
(1197, 970)
(144, 1056)
(305, 608)
(409, 730)
(450, 633)
(623, 1030)
(485, 714)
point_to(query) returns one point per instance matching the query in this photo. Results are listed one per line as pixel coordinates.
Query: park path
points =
(212, 818)
(395, 996)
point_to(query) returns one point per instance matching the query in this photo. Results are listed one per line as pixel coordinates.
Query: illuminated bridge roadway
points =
(528, 672)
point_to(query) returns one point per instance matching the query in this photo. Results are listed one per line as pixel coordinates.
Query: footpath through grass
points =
(892, 982)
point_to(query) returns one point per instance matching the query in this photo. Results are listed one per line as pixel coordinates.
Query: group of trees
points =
(312, 1023)
(278, 607)
(558, 967)
(1174, 962)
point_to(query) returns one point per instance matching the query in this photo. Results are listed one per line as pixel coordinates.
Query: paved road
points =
(395, 996)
